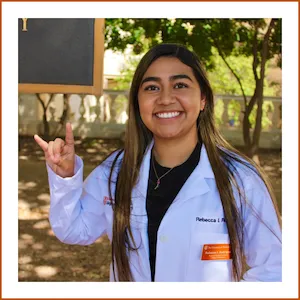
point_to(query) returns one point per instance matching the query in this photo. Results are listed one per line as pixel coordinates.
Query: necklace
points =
(159, 178)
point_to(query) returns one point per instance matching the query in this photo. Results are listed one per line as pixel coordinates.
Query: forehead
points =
(168, 66)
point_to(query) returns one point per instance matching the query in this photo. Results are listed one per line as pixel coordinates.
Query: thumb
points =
(69, 135)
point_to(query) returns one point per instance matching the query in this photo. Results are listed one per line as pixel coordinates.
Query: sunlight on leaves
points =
(22, 244)
(24, 259)
(27, 214)
(24, 274)
(268, 168)
(41, 225)
(37, 246)
(53, 254)
(91, 150)
(45, 271)
(26, 236)
(44, 197)
(22, 204)
(26, 267)
(30, 184)
(23, 157)
(27, 185)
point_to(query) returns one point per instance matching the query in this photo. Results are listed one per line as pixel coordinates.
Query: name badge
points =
(216, 252)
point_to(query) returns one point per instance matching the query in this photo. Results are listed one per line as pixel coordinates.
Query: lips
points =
(167, 115)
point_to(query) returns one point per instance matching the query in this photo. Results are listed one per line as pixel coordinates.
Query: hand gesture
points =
(60, 154)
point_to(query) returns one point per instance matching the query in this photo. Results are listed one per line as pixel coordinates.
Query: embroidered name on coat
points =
(107, 201)
(210, 220)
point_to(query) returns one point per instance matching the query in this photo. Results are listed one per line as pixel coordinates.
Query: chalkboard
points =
(61, 56)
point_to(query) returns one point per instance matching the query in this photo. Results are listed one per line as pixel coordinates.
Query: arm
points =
(263, 247)
(76, 210)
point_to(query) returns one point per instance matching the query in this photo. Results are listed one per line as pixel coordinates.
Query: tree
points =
(259, 39)
(45, 100)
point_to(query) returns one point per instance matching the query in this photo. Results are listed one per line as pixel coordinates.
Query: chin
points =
(167, 135)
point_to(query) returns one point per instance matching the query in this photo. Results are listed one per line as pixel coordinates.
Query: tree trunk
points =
(46, 127)
(252, 147)
(251, 143)
(64, 115)
(45, 122)
(258, 121)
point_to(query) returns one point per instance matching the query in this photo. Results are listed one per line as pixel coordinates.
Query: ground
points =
(42, 257)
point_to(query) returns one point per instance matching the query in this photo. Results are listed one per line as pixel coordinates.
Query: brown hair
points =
(222, 157)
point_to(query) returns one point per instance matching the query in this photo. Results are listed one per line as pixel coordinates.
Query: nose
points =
(166, 97)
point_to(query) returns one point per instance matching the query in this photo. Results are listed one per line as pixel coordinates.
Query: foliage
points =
(231, 36)
(126, 73)
(219, 110)
(268, 108)
(224, 83)
(254, 40)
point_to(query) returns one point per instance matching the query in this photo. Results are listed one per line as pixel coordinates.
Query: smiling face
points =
(169, 99)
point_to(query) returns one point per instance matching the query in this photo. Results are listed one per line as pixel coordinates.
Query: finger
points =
(50, 150)
(57, 146)
(43, 144)
(69, 135)
(57, 149)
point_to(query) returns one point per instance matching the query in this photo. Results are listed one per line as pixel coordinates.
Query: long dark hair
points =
(222, 157)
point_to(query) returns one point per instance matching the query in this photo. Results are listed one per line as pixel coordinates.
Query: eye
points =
(151, 88)
(180, 85)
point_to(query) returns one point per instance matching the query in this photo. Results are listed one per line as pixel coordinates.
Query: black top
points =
(159, 200)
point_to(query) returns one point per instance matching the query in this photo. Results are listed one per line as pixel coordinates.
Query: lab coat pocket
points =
(209, 259)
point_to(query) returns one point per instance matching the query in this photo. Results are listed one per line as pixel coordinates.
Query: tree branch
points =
(51, 98)
(255, 56)
(232, 71)
(41, 101)
(260, 85)
(265, 48)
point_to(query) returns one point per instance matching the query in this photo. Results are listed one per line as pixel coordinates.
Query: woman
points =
(178, 203)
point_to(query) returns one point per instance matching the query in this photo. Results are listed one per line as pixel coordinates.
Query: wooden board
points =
(61, 56)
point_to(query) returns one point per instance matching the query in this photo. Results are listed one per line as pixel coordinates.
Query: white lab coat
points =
(81, 212)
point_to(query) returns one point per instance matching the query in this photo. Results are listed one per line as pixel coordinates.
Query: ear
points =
(202, 104)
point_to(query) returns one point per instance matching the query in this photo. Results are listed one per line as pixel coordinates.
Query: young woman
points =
(178, 203)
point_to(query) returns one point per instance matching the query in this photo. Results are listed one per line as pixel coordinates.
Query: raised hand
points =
(60, 154)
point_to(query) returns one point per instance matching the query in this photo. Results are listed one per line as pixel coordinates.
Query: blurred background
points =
(242, 58)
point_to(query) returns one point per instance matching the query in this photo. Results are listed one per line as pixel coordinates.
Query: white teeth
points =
(168, 115)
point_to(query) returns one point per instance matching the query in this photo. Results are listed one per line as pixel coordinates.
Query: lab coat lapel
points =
(139, 193)
(138, 217)
(196, 185)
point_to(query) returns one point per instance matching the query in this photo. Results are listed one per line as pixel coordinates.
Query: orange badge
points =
(216, 252)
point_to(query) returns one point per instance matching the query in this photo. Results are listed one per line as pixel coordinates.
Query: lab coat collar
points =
(203, 168)
(196, 184)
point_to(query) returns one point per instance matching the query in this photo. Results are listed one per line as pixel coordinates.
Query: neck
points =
(172, 153)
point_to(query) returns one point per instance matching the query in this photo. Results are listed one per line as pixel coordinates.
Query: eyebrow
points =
(171, 78)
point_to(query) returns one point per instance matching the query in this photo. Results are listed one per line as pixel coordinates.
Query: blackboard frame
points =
(95, 89)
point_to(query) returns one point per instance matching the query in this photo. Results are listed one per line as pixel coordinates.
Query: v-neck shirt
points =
(159, 200)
